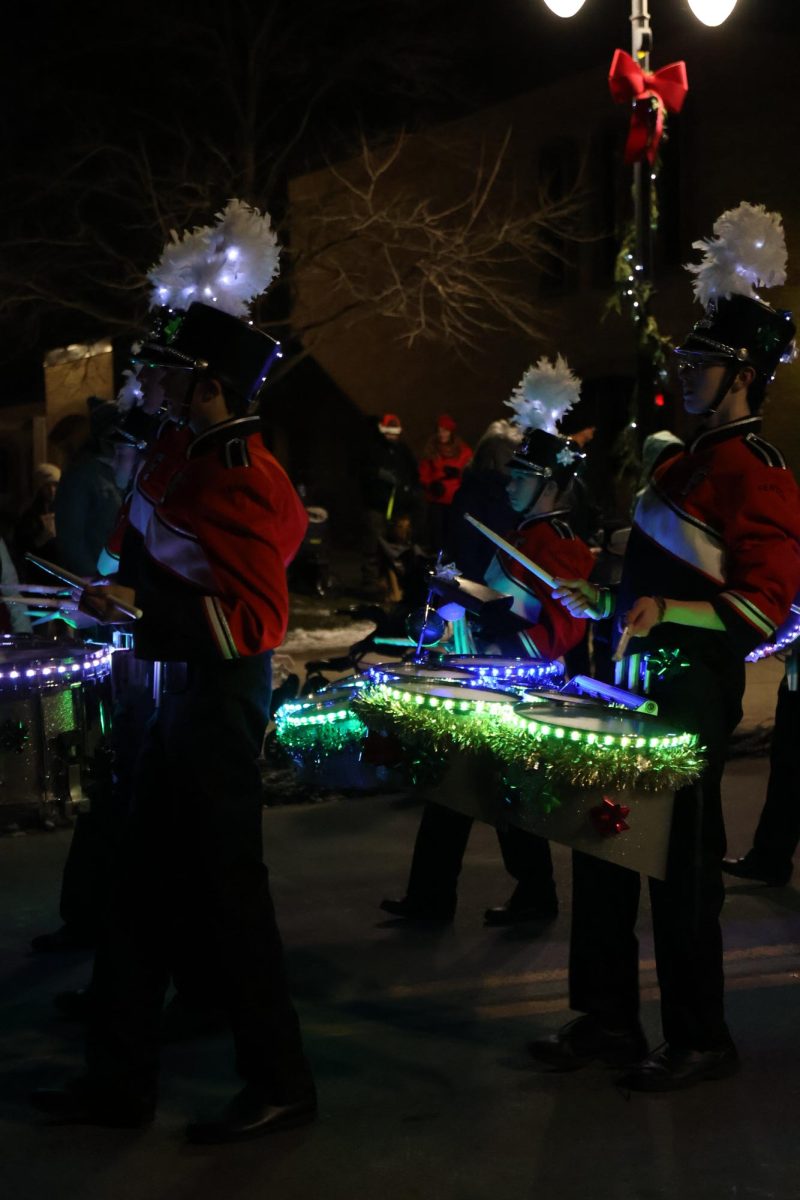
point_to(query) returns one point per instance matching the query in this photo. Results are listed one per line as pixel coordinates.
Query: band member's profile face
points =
(523, 490)
(700, 381)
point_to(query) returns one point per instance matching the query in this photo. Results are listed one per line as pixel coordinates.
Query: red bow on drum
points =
(652, 95)
(608, 818)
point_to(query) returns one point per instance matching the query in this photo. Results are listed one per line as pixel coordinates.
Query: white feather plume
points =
(226, 265)
(748, 251)
(544, 395)
(130, 394)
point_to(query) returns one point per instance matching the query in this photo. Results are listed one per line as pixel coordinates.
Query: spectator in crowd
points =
(88, 496)
(440, 471)
(483, 494)
(389, 480)
(35, 531)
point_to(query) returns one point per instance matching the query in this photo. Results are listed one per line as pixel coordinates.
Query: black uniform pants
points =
(604, 951)
(192, 864)
(439, 852)
(96, 838)
(778, 830)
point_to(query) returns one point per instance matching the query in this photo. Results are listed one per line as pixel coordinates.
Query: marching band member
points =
(711, 568)
(211, 583)
(537, 626)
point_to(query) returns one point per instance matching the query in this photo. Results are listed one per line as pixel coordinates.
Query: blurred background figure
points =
(13, 617)
(389, 478)
(482, 493)
(441, 470)
(654, 448)
(35, 531)
(88, 496)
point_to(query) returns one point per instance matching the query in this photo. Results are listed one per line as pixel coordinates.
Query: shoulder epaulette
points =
(769, 454)
(562, 529)
(235, 453)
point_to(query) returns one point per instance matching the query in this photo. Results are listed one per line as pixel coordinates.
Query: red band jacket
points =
(212, 575)
(720, 522)
(545, 628)
(165, 455)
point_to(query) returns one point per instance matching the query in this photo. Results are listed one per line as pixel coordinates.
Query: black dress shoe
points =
(415, 910)
(585, 1041)
(75, 1005)
(752, 866)
(517, 913)
(253, 1113)
(67, 939)
(669, 1070)
(81, 1103)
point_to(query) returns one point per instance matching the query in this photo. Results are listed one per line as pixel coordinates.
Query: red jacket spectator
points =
(446, 456)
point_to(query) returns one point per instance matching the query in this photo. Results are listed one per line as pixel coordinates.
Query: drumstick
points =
(512, 551)
(36, 589)
(622, 644)
(42, 602)
(76, 581)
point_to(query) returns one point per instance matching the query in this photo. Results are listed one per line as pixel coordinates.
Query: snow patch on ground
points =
(298, 640)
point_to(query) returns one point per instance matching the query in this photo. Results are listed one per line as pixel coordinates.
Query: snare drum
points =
(447, 673)
(582, 719)
(324, 738)
(459, 697)
(55, 715)
(494, 671)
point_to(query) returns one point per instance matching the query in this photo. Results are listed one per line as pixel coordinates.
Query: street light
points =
(710, 12)
(565, 8)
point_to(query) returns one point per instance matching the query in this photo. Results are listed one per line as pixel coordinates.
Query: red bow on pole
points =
(652, 95)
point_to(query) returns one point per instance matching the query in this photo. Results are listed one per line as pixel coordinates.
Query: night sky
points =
(235, 98)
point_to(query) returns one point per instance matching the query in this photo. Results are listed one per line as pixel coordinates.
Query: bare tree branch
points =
(443, 270)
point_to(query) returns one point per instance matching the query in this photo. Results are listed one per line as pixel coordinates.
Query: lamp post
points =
(709, 12)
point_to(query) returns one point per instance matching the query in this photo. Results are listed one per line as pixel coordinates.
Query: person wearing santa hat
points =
(441, 470)
(389, 480)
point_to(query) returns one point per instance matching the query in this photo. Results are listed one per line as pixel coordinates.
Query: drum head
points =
(587, 716)
(24, 647)
(442, 690)
(330, 697)
(27, 661)
(420, 672)
(507, 667)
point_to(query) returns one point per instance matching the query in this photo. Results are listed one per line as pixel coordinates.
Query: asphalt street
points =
(417, 1034)
(417, 1039)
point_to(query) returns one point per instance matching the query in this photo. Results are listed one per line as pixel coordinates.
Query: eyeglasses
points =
(695, 364)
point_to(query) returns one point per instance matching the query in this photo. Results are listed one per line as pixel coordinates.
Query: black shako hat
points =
(547, 454)
(741, 329)
(206, 339)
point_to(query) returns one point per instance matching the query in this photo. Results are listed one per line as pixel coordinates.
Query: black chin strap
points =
(543, 482)
(724, 387)
(186, 403)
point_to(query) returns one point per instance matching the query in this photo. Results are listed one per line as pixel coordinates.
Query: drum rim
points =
(629, 724)
(476, 695)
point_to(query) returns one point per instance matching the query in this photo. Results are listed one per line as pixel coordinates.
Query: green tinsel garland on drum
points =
(316, 740)
(430, 734)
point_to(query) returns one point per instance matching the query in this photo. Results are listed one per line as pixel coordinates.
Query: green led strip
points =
(521, 747)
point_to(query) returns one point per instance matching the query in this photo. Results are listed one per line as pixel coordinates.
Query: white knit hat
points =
(45, 472)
